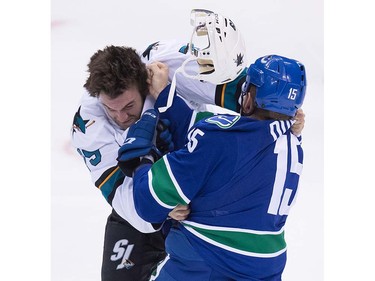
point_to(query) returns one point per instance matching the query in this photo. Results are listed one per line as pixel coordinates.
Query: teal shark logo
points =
(146, 53)
(79, 124)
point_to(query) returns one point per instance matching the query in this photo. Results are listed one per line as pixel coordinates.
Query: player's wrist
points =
(147, 159)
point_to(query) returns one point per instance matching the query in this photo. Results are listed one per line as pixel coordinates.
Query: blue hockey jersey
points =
(240, 177)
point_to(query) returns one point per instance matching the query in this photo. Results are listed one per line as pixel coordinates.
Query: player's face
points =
(248, 101)
(126, 109)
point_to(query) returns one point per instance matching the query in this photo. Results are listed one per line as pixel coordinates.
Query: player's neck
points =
(262, 114)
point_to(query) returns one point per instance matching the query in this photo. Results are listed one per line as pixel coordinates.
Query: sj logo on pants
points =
(123, 250)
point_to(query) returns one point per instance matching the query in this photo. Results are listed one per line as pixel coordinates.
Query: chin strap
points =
(181, 69)
(171, 91)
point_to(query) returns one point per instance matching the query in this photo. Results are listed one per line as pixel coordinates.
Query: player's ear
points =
(248, 103)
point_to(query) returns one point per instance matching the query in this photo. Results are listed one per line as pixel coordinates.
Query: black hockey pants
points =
(128, 254)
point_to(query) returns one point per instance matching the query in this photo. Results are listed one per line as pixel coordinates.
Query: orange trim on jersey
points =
(222, 95)
(107, 178)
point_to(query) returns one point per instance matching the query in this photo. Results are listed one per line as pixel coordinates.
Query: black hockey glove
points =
(164, 138)
(139, 143)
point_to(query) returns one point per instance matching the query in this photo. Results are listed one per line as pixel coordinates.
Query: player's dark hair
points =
(114, 70)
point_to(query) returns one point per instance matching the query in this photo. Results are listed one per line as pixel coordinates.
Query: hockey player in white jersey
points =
(239, 175)
(117, 95)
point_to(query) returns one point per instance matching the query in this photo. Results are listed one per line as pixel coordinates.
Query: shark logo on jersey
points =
(147, 52)
(79, 124)
(239, 59)
(185, 48)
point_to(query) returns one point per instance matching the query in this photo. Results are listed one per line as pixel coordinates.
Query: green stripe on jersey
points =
(202, 115)
(246, 242)
(164, 185)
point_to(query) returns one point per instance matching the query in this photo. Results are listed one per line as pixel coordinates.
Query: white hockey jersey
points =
(97, 138)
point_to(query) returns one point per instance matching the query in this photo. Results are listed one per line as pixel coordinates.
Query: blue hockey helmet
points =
(280, 82)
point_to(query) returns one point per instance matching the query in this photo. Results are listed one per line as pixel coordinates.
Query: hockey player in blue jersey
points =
(239, 175)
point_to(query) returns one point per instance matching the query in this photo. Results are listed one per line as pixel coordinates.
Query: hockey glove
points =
(164, 138)
(139, 143)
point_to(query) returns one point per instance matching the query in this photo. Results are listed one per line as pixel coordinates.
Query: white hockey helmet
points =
(217, 46)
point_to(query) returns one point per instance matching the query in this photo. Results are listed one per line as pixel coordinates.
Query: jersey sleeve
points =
(98, 141)
(179, 176)
(170, 52)
(123, 204)
(195, 92)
